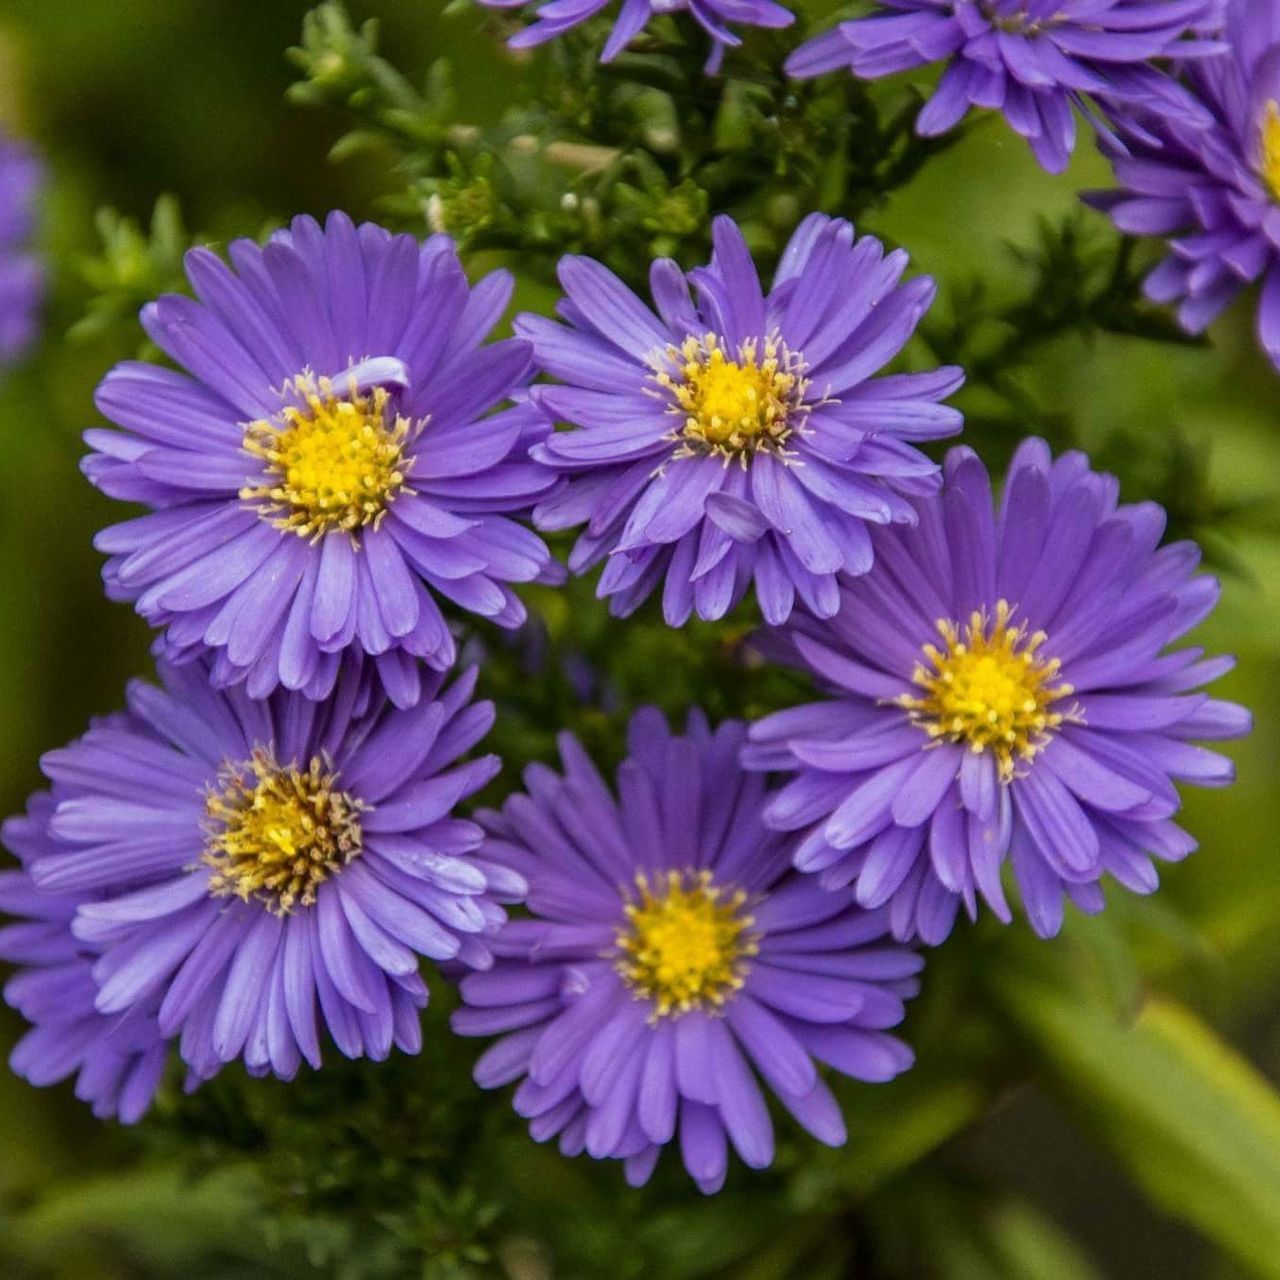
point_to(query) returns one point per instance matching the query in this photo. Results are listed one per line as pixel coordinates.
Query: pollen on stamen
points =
(733, 403)
(274, 833)
(988, 687)
(1270, 160)
(686, 943)
(334, 461)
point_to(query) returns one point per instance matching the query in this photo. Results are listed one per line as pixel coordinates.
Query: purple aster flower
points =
(674, 963)
(21, 277)
(740, 437)
(1001, 688)
(117, 1061)
(555, 17)
(325, 471)
(1215, 190)
(251, 869)
(1032, 60)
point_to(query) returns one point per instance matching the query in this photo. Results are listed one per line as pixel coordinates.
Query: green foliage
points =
(1081, 281)
(155, 1219)
(132, 267)
(624, 161)
(1197, 1126)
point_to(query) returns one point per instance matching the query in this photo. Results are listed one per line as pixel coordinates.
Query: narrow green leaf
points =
(1194, 1123)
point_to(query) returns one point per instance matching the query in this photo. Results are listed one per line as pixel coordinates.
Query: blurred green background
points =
(133, 99)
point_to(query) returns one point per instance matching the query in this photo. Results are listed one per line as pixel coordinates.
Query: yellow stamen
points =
(1271, 148)
(685, 943)
(276, 832)
(989, 688)
(333, 461)
(734, 404)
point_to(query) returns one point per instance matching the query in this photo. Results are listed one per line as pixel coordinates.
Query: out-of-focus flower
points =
(21, 275)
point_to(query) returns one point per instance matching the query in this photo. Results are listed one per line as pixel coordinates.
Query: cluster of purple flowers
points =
(252, 860)
(1183, 95)
(1036, 61)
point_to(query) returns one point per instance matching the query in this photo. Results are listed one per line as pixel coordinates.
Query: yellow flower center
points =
(989, 688)
(685, 943)
(1271, 148)
(276, 832)
(333, 462)
(734, 404)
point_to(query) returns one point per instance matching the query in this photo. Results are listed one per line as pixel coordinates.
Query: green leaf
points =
(1194, 1124)
(156, 1215)
(1031, 1246)
(131, 268)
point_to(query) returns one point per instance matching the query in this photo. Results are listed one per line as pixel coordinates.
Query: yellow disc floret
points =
(276, 832)
(733, 403)
(1271, 148)
(685, 943)
(988, 687)
(333, 461)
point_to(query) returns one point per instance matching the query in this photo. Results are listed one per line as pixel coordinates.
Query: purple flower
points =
(1001, 690)
(117, 1061)
(674, 962)
(1030, 59)
(244, 866)
(1215, 191)
(740, 437)
(325, 470)
(21, 276)
(555, 17)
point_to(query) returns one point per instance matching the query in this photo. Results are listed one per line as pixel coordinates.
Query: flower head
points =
(1214, 191)
(1033, 60)
(117, 1061)
(239, 867)
(736, 436)
(325, 473)
(716, 17)
(1002, 690)
(674, 963)
(21, 277)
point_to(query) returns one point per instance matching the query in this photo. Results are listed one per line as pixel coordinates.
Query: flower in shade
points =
(716, 17)
(117, 1061)
(674, 963)
(1032, 60)
(1215, 191)
(21, 277)
(1002, 688)
(325, 471)
(248, 871)
(736, 436)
